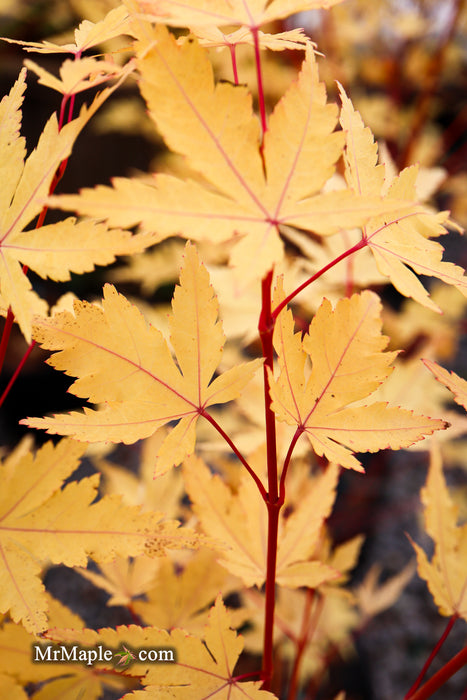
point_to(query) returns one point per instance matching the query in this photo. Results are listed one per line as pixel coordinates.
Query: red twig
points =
(259, 77)
(428, 662)
(274, 503)
(361, 244)
(237, 452)
(442, 676)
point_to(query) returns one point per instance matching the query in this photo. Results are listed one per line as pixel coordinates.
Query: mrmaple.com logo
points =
(62, 653)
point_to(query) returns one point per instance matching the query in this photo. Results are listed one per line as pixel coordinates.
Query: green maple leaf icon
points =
(127, 657)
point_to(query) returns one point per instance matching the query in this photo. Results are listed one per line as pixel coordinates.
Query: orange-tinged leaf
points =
(451, 380)
(213, 126)
(345, 347)
(446, 573)
(127, 365)
(42, 522)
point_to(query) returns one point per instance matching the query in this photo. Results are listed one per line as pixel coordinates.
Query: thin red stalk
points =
(288, 457)
(245, 676)
(16, 372)
(308, 629)
(6, 336)
(274, 503)
(259, 78)
(442, 676)
(428, 662)
(237, 452)
(233, 57)
(361, 244)
(301, 644)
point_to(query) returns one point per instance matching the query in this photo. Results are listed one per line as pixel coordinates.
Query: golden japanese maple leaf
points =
(179, 598)
(51, 251)
(246, 190)
(87, 35)
(451, 380)
(239, 522)
(127, 365)
(42, 522)
(446, 573)
(400, 242)
(252, 13)
(345, 347)
(203, 666)
(64, 680)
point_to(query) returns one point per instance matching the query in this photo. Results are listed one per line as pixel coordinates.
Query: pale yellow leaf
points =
(345, 347)
(87, 35)
(202, 666)
(222, 12)
(400, 241)
(451, 380)
(239, 522)
(127, 365)
(42, 522)
(373, 598)
(76, 75)
(24, 199)
(123, 579)
(212, 125)
(179, 598)
(446, 573)
(362, 173)
(212, 37)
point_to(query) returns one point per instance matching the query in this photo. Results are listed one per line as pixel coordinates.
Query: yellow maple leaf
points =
(212, 37)
(203, 668)
(213, 126)
(66, 680)
(239, 522)
(180, 598)
(253, 13)
(345, 346)
(76, 75)
(123, 363)
(163, 493)
(55, 250)
(446, 573)
(451, 380)
(123, 579)
(40, 522)
(87, 35)
(373, 598)
(398, 241)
